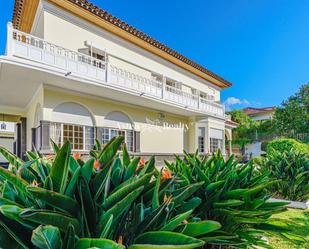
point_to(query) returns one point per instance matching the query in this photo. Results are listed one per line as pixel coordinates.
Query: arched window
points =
(74, 123)
(116, 124)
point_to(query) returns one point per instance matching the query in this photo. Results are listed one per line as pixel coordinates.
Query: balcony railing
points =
(26, 46)
(33, 48)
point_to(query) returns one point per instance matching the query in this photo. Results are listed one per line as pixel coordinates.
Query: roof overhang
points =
(25, 10)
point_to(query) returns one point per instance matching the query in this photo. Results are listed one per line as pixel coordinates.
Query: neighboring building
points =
(260, 115)
(7, 133)
(74, 72)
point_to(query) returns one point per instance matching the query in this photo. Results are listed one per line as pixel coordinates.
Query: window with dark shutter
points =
(137, 141)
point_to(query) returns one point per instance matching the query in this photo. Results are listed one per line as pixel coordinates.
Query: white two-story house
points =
(73, 71)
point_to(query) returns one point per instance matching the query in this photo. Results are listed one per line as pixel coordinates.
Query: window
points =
(75, 135)
(99, 57)
(80, 137)
(156, 77)
(173, 83)
(201, 139)
(215, 144)
(109, 133)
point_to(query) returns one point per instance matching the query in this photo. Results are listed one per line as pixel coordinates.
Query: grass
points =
(298, 222)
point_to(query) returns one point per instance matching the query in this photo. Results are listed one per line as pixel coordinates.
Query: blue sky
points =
(261, 46)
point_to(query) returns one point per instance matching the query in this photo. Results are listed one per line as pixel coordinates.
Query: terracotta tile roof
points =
(252, 110)
(231, 123)
(18, 8)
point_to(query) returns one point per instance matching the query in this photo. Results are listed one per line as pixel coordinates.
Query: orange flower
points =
(120, 240)
(96, 164)
(166, 174)
(34, 184)
(142, 161)
(76, 156)
(19, 171)
(185, 222)
(49, 157)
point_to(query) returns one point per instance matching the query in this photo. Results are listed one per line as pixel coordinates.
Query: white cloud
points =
(232, 101)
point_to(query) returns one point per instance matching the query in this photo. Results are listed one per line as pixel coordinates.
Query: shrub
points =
(110, 201)
(233, 194)
(287, 144)
(116, 201)
(292, 169)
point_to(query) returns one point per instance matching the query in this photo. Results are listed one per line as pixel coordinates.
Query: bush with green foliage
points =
(233, 194)
(66, 203)
(291, 168)
(116, 201)
(286, 145)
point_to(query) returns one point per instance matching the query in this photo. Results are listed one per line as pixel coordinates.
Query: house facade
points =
(73, 72)
(259, 115)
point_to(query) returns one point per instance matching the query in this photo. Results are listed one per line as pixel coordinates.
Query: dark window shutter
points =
(45, 136)
(137, 141)
(99, 134)
(33, 135)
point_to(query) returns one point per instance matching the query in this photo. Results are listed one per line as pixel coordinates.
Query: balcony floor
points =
(20, 80)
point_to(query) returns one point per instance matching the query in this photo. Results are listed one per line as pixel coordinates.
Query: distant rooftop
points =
(253, 111)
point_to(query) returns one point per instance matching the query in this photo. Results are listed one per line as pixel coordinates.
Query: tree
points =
(242, 135)
(292, 117)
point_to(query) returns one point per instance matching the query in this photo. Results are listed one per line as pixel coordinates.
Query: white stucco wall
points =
(34, 113)
(253, 149)
(167, 138)
(71, 32)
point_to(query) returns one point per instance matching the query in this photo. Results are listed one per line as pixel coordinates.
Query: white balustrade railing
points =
(128, 80)
(211, 107)
(180, 97)
(27, 46)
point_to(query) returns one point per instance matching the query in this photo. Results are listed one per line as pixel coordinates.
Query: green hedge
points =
(287, 144)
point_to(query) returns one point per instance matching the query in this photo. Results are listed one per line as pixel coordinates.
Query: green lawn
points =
(298, 222)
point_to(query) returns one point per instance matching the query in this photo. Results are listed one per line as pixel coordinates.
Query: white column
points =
(9, 40)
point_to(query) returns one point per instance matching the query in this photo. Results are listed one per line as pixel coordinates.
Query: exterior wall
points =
(8, 143)
(260, 117)
(69, 31)
(156, 136)
(34, 114)
(208, 124)
(253, 149)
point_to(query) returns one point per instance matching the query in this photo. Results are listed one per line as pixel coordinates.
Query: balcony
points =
(26, 46)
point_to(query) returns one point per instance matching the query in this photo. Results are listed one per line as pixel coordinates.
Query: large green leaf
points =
(131, 169)
(12, 212)
(47, 217)
(16, 181)
(125, 190)
(87, 169)
(10, 157)
(186, 193)
(173, 223)
(228, 203)
(88, 207)
(119, 208)
(125, 156)
(97, 243)
(73, 183)
(200, 228)
(69, 239)
(46, 237)
(56, 200)
(165, 240)
(16, 231)
(60, 168)
(110, 150)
